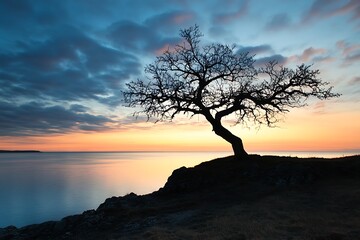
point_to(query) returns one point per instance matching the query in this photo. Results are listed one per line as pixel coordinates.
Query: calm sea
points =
(38, 187)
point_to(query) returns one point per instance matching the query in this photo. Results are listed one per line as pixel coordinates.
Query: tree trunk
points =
(239, 150)
(235, 141)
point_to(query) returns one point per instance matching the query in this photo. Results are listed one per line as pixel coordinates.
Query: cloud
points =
(227, 17)
(349, 52)
(352, 58)
(328, 8)
(308, 55)
(319, 108)
(347, 48)
(254, 50)
(278, 22)
(355, 81)
(161, 27)
(30, 13)
(311, 55)
(324, 59)
(36, 118)
(262, 50)
(352, 7)
(310, 52)
(216, 31)
(137, 37)
(56, 64)
(63, 54)
(280, 59)
(77, 108)
(170, 22)
(68, 66)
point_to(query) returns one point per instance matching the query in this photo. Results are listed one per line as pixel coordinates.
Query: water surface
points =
(37, 187)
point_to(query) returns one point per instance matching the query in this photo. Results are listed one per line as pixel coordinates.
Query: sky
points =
(64, 65)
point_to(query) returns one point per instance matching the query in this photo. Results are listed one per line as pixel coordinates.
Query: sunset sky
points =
(64, 65)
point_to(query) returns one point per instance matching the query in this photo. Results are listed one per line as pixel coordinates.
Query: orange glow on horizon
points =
(301, 131)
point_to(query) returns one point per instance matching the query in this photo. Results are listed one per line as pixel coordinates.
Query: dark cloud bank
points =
(50, 60)
(37, 119)
(38, 77)
(55, 57)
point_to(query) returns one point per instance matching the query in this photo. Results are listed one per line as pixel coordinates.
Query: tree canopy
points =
(215, 81)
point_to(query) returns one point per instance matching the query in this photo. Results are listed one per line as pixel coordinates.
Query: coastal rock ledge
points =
(265, 197)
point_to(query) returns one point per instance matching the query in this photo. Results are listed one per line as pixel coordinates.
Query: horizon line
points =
(145, 151)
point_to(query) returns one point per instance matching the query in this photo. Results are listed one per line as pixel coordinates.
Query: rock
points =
(8, 233)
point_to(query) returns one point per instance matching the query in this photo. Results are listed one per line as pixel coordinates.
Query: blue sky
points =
(63, 64)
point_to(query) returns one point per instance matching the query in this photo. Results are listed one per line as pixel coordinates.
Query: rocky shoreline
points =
(227, 199)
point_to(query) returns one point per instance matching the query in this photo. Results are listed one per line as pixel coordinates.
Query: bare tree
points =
(216, 82)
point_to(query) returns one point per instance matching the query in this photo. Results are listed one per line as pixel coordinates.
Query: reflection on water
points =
(37, 187)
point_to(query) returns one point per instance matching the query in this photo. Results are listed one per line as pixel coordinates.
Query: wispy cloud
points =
(230, 16)
(319, 108)
(68, 66)
(141, 38)
(254, 50)
(308, 54)
(74, 58)
(36, 118)
(355, 81)
(349, 52)
(171, 21)
(278, 58)
(329, 8)
(278, 22)
(263, 54)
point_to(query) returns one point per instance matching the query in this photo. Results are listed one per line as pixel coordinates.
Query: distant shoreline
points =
(19, 151)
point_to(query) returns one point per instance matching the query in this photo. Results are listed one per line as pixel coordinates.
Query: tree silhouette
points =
(215, 81)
